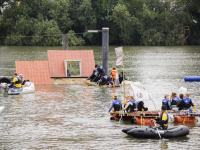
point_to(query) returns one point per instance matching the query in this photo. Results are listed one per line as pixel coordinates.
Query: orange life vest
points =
(113, 73)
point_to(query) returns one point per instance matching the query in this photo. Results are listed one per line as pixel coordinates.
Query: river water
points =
(76, 116)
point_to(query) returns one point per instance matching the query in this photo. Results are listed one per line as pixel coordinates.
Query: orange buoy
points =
(182, 119)
(143, 121)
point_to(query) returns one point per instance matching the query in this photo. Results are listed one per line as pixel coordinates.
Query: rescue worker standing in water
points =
(116, 104)
(163, 120)
(17, 82)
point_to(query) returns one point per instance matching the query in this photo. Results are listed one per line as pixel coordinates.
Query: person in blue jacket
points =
(140, 106)
(121, 77)
(103, 80)
(166, 102)
(116, 104)
(131, 105)
(186, 103)
(174, 99)
(100, 70)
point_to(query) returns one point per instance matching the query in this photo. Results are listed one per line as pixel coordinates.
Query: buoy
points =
(192, 78)
(180, 119)
(143, 121)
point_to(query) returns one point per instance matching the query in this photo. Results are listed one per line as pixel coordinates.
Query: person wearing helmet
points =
(163, 119)
(116, 104)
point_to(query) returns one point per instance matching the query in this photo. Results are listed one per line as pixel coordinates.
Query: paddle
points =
(120, 120)
(157, 130)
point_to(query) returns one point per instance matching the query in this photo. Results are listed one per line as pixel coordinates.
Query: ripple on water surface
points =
(76, 116)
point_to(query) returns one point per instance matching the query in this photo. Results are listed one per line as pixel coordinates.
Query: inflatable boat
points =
(139, 132)
(28, 88)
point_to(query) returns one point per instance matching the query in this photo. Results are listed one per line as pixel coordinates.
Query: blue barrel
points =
(192, 78)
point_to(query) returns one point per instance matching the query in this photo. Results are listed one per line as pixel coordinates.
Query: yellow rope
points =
(70, 66)
(184, 120)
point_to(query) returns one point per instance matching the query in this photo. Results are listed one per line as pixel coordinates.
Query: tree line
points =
(131, 22)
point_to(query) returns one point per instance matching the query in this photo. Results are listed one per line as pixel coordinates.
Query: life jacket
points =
(165, 102)
(166, 122)
(132, 107)
(174, 101)
(113, 73)
(100, 70)
(117, 105)
(19, 80)
(186, 102)
(105, 77)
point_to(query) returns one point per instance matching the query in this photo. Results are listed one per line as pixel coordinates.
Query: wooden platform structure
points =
(89, 83)
(144, 117)
(53, 71)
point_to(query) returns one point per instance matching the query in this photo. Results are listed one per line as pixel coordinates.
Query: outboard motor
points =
(4, 82)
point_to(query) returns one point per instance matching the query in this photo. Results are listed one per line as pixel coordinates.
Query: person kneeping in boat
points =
(163, 120)
(116, 104)
(17, 82)
(166, 102)
(131, 105)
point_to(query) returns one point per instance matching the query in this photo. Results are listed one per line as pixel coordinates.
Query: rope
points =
(71, 68)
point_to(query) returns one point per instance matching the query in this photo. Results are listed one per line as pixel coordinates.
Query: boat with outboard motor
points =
(28, 88)
(149, 132)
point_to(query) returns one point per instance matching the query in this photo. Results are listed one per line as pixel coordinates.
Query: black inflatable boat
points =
(139, 132)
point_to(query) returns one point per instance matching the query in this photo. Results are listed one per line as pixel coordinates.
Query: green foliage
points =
(126, 23)
(130, 22)
(74, 40)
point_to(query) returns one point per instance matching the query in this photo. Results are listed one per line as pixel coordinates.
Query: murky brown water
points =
(76, 116)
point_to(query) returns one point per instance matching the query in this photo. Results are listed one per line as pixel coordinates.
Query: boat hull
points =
(139, 132)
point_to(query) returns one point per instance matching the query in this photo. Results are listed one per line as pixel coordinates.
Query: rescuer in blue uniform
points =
(166, 102)
(103, 80)
(131, 105)
(116, 104)
(163, 119)
(100, 70)
(93, 77)
(186, 103)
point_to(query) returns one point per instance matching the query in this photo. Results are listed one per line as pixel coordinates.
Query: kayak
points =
(148, 132)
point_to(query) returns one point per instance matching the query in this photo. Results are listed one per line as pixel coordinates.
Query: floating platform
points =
(192, 78)
(89, 83)
(144, 117)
